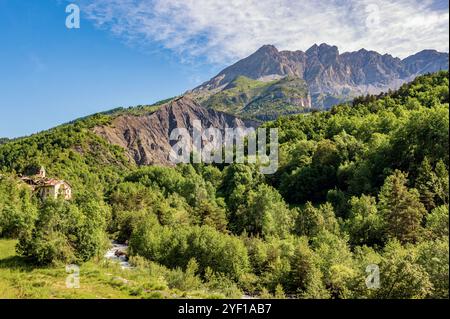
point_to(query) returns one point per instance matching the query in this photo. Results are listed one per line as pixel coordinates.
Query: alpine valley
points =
(362, 181)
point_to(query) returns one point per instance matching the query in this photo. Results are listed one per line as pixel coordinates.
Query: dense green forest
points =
(364, 183)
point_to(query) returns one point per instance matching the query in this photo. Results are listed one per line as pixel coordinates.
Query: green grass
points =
(19, 279)
(238, 94)
(99, 279)
(259, 100)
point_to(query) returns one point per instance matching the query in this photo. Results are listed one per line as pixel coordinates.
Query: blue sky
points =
(130, 52)
(51, 75)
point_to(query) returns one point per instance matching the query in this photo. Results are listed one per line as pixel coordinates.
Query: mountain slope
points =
(375, 172)
(266, 63)
(330, 76)
(146, 137)
(427, 61)
(93, 152)
(71, 152)
(260, 100)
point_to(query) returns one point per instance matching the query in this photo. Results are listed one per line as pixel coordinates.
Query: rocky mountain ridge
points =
(331, 77)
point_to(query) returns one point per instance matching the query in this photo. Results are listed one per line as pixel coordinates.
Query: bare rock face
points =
(146, 138)
(332, 77)
(265, 64)
(426, 61)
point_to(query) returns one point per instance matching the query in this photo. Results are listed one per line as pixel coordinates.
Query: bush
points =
(176, 246)
(63, 232)
(18, 211)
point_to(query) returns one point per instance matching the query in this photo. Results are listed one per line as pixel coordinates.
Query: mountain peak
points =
(426, 61)
(327, 46)
(338, 77)
(428, 51)
(267, 48)
(312, 49)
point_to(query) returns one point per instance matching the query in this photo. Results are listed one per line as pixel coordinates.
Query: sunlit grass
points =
(99, 279)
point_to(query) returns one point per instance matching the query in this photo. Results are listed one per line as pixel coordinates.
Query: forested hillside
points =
(365, 183)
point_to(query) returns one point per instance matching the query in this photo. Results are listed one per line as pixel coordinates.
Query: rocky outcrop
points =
(331, 77)
(426, 61)
(146, 138)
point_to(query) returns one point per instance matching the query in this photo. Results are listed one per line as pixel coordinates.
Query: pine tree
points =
(279, 292)
(426, 184)
(401, 209)
(309, 221)
(433, 185)
(442, 183)
(306, 277)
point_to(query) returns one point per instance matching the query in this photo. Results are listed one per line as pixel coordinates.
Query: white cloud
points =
(222, 31)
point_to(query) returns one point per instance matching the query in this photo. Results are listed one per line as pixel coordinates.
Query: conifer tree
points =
(401, 209)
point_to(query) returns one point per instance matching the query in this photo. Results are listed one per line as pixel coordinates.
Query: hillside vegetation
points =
(360, 185)
(261, 100)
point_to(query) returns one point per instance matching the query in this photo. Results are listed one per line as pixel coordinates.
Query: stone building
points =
(48, 187)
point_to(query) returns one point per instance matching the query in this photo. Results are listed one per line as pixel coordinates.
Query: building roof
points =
(43, 181)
